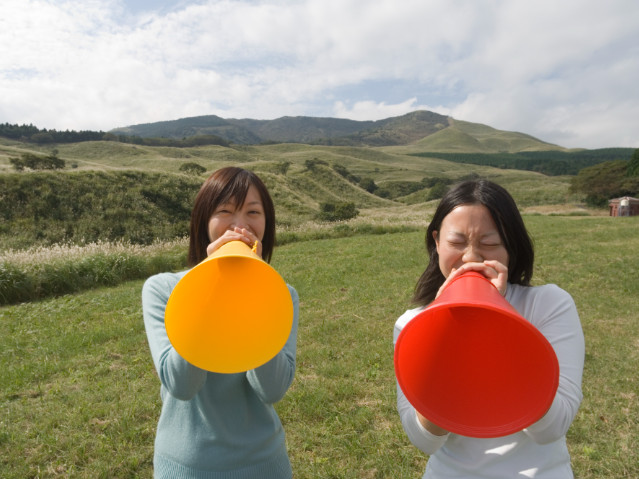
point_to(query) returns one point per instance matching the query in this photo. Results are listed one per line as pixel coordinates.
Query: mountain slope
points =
(301, 129)
(427, 130)
(194, 126)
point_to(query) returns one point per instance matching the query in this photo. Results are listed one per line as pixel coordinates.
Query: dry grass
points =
(38, 256)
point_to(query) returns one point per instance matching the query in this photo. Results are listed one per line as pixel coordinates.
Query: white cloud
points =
(562, 71)
(370, 110)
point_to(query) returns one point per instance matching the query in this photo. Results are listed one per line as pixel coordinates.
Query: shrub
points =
(193, 168)
(15, 284)
(338, 211)
(35, 162)
(311, 165)
(438, 190)
(343, 171)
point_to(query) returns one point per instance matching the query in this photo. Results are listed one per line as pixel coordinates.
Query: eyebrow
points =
(230, 202)
(490, 233)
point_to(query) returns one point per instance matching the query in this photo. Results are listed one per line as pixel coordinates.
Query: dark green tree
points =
(438, 190)
(368, 184)
(600, 183)
(633, 166)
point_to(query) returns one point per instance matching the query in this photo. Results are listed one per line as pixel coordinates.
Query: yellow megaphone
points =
(231, 313)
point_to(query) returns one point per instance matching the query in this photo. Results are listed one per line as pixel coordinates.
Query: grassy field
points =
(79, 396)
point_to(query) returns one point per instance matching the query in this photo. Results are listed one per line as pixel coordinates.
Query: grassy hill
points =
(412, 128)
(300, 176)
(466, 137)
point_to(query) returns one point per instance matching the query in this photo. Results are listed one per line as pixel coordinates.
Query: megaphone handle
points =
(254, 249)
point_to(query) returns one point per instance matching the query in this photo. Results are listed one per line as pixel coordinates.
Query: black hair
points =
(224, 185)
(510, 226)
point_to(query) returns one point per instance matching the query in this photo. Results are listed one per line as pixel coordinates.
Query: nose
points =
(472, 255)
(239, 221)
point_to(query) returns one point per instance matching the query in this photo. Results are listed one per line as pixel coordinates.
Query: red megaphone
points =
(471, 364)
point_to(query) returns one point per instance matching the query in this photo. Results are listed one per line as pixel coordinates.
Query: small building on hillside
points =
(624, 206)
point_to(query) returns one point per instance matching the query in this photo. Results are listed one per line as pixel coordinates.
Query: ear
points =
(436, 238)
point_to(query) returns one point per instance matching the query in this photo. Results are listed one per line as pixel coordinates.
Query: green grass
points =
(79, 397)
(76, 388)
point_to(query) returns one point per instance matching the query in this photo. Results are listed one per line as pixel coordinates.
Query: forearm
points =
(271, 380)
(563, 329)
(180, 378)
(427, 437)
(556, 422)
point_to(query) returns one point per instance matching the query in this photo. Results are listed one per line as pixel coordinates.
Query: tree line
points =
(32, 134)
(551, 162)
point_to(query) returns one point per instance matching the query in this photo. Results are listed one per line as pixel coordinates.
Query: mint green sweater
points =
(216, 426)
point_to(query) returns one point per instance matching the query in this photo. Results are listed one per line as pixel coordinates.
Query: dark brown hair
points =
(230, 184)
(509, 223)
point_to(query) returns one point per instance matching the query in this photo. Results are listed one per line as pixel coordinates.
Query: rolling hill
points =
(425, 130)
(391, 170)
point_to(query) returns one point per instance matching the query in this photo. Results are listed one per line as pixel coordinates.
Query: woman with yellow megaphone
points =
(223, 339)
(488, 367)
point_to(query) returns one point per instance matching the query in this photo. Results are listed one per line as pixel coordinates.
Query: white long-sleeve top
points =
(538, 451)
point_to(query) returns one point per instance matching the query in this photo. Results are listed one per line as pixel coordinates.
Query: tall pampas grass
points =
(36, 273)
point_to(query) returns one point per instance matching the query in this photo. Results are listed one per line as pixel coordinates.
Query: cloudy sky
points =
(565, 71)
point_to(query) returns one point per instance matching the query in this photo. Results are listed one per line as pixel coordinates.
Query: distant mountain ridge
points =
(409, 129)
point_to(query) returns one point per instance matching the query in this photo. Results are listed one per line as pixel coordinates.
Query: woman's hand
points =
(494, 271)
(429, 426)
(236, 234)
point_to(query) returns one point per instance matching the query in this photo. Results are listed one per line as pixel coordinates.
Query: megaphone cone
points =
(471, 364)
(231, 313)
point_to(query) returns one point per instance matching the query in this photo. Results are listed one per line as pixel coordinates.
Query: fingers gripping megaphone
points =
(230, 313)
(471, 364)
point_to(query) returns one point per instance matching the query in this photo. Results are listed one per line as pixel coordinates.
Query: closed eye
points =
(224, 210)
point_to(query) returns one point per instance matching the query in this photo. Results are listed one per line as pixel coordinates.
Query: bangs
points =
(235, 190)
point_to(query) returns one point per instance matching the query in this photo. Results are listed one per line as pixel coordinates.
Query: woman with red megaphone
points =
(488, 367)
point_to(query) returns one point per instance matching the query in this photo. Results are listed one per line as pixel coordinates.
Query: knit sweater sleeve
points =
(178, 377)
(271, 380)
